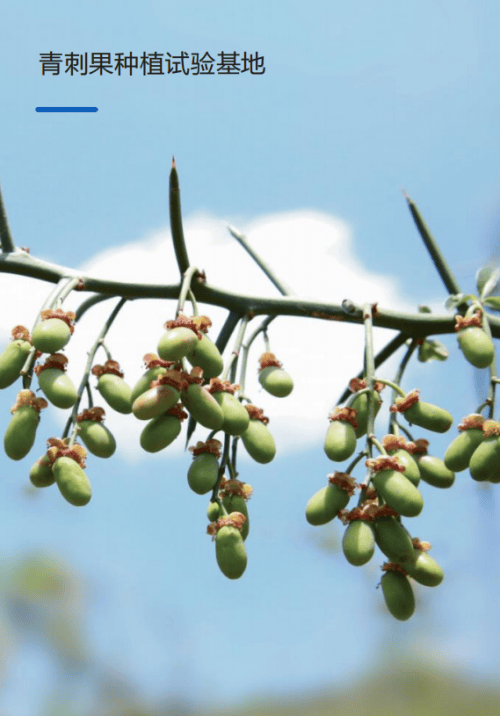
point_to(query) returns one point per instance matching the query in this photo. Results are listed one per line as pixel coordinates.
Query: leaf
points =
(487, 280)
(432, 350)
(458, 299)
(493, 302)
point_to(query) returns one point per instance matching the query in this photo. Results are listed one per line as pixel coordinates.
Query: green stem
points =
(5, 236)
(397, 381)
(392, 385)
(369, 361)
(227, 330)
(378, 445)
(232, 362)
(176, 221)
(432, 247)
(357, 459)
(492, 368)
(185, 288)
(222, 466)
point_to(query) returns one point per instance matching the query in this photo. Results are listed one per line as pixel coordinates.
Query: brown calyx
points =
(357, 384)
(96, 414)
(56, 360)
(212, 446)
(403, 404)
(59, 448)
(346, 415)
(176, 378)
(344, 481)
(421, 546)
(222, 386)
(256, 413)
(151, 360)
(182, 321)
(178, 412)
(462, 322)
(195, 376)
(203, 323)
(394, 442)
(20, 333)
(384, 511)
(394, 567)
(111, 366)
(67, 316)
(421, 446)
(235, 487)
(384, 462)
(470, 422)
(28, 398)
(235, 519)
(491, 428)
(267, 359)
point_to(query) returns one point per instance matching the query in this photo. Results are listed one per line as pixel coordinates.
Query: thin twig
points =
(176, 221)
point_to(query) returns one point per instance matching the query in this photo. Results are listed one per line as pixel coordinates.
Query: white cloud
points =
(311, 251)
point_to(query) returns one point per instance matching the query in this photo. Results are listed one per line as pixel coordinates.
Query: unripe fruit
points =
(485, 461)
(398, 492)
(360, 404)
(203, 406)
(230, 552)
(276, 381)
(51, 335)
(213, 511)
(236, 503)
(203, 472)
(177, 343)
(144, 383)
(206, 356)
(476, 346)
(398, 594)
(160, 432)
(57, 387)
(73, 483)
(358, 543)
(258, 441)
(340, 440)
(325, 504)
(12, 360)
(429, 416)
(155, 401)
(236, 418)
(115, 392)
(459, 452)
(424, 570)
(393, 539)
(21, 432)
(41, 474)
(434, 471)
(97, 438)
(412, 473)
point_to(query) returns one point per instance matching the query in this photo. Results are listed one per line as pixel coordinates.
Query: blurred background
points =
(119, 608)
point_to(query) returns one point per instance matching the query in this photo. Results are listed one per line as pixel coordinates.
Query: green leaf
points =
(459, 298)
(487, 280)
(432, 350)
(493, 302)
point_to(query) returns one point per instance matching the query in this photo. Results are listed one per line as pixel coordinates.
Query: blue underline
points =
(66, 109)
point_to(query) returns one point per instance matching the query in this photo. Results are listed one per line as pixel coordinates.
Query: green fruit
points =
(361, 405)
(203, 406)
(358, 543)
(203, 472)
(459, 452)
(155, 402)
(476, 346)
(21, 432)
(160, 432)
(434, 471)
(429, 416)
(206, 356)
(177, 343)
(410, 464)
(398, 492)
(97, 438)
(236, 503)
(213, 511)
(236, 418)
(258, 441)
(72, 482)
(12, 360)
(57, 387)
(230, 552)
(276, 381)
(51, 335)
(485, 461)
(115, 392)
(144, 383)
(340, 440)
(398, 595)
(424, 570)
(325, 504)
(393, 539)
(41, 474)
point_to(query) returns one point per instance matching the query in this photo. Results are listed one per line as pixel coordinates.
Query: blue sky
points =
(359, 100)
